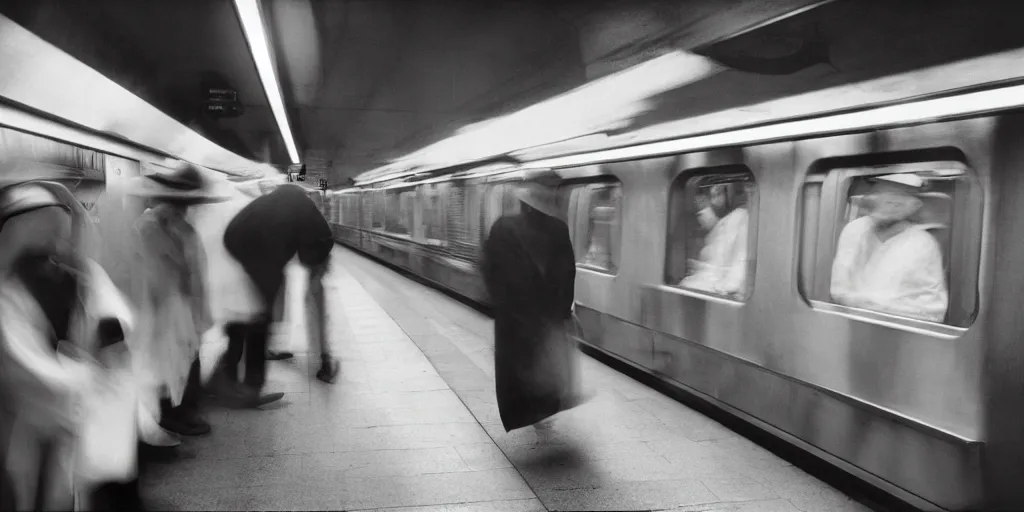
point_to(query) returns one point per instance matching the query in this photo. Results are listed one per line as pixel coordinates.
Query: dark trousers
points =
(250, 338)
(117, 496)
(189, 405)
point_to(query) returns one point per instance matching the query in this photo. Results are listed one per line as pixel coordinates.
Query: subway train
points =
(927, 409)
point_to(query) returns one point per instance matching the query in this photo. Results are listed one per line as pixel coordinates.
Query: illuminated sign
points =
(223, 102)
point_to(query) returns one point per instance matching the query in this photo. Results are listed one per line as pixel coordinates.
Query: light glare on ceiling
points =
(917, 112)
(252, 25)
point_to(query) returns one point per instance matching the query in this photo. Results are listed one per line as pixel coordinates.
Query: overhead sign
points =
(223, 102)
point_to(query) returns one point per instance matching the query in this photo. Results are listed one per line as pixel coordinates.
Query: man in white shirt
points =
(722, 267)
(887, 263)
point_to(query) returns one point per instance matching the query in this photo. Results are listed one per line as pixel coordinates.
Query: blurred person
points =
(885, 261)
(248, 191)
(62, 326)
(264, 237)
(722, 267)
(169, 287)
(529, 268)
(234, 298)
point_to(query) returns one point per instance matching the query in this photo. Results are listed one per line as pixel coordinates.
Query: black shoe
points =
(185, 426)
(273, 355)
(328, 370)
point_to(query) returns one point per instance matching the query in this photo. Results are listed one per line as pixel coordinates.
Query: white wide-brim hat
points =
(906, 182)
(538, 191)
(184, 184)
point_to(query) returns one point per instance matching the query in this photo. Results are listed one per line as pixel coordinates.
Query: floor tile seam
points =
(308, 454)
(374, 478)
(304, 479)
(399, 507)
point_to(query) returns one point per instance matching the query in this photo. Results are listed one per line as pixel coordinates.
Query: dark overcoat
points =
(529, 268)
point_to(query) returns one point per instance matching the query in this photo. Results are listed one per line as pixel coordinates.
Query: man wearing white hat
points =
(885, 262)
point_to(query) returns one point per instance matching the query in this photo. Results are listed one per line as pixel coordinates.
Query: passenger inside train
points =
(722, 266)
(886, 260)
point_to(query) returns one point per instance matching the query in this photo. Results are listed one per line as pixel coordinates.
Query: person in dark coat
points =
(529, 268)
(264, 236)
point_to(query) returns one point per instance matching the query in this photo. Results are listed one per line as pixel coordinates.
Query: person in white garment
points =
(722, 267)
(886, 262)
(68, 406)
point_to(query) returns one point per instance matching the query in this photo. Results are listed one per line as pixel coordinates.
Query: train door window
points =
(712, 225)
(594, 216)
(898, 240)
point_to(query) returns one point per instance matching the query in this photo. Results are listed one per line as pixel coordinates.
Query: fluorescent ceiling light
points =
(908, 113)
(252, 25)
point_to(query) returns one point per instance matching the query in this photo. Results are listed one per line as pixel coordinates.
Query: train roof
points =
(980, 84)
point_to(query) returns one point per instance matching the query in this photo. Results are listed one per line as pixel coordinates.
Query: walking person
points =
(170, 291)
(65, 374)
(264, 237)
(529, 268)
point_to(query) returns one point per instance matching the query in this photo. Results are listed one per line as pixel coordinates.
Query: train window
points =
(460, 228)
(594, 218)
(711, 231)
(433, 212)
(901, 240)
(378, 209)
(399, 214)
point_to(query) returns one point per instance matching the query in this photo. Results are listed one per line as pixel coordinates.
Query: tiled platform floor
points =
(412, 425)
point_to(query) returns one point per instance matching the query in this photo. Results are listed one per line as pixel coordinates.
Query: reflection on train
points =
(828, 280)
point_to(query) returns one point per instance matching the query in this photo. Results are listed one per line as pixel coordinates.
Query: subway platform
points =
(412, 425)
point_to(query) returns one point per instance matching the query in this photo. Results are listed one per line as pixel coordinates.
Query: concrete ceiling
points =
(369, 80)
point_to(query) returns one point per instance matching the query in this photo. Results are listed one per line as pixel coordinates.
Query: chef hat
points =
(905, 182)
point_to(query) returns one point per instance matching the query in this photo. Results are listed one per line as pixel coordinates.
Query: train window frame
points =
(681, 221)
(961, 255)
(576, 196)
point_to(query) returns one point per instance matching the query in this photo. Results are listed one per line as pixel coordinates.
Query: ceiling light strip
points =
(907, 113)
(259, 45)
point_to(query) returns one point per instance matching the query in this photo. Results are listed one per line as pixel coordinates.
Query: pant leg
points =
(116, 496)
(232, 357)
(189, 406)
(193, 389)
(268, 281)
(256, 353)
